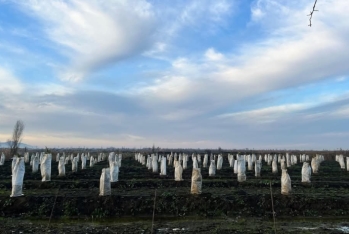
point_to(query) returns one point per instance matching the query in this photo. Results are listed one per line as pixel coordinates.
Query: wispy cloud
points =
(94, 33)
(265, 115)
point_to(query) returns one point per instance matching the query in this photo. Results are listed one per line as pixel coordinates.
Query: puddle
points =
(180, 229)
(343, 229)
(307, 228)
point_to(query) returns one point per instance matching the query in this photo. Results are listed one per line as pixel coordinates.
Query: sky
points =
(233, 74)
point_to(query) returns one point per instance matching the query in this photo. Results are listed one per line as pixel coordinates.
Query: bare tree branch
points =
(16, 137)
(311, 13)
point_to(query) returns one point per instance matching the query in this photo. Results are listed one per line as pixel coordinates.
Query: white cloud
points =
(265, 115)
(211, 54)
(95, 33)
(169, 89)
(9, 83)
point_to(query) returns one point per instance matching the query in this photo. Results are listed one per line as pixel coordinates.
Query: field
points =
(72, 204)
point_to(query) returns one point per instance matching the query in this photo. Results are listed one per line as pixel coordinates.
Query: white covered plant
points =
(285, 183)
(45, 167)
(105, 186)
(306, 172)
(2, 159)
(178, 171)
(17, 177)
(61, 167)
(196, 181)
(241, 170)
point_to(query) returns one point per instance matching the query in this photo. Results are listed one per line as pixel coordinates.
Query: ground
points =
(72, 204)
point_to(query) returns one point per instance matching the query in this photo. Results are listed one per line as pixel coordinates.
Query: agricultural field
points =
(72, 204)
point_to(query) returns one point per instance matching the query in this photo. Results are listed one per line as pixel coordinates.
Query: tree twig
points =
(311, 13)
(53, 207)
(152, 223)
(272, 206)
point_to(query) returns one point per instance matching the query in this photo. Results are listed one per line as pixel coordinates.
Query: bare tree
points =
(16, 137)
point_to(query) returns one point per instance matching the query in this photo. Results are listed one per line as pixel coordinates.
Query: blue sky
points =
(176, 73)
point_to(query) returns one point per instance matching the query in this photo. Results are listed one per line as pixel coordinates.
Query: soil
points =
(73, 205)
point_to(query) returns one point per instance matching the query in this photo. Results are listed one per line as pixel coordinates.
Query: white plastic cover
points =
(204, 163)
(83, 162)
(231, 160)
(45, 167)
(295, 160)
(270, 159)
(219, 162)
(241, 170)
(155, 165)
(315, 165)
(41, 156)
(283, 164)
(149, 162)
(92, 161)
(14, 160)
(236, 166)
(170, 159)
(61, 167)
(66, 161)
(249, 163)
(274, 167)
(104, 184)
(306, 172)
(163, 166)
(257, 168)
(196, 181)
(212, 168)
(195, 163)
(178, 171)
(74, 164)
(254, 158)
(114, 171)
(17, 177)
(143, 161)
(185, 163)
(288, 160)
(2, 159)
(198, 157)
(285, 183)
(26, 157)
(341, 161)
(111, 157)
(31, 160)
(35, 163)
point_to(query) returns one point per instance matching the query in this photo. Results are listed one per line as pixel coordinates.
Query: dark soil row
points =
(204, 205)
